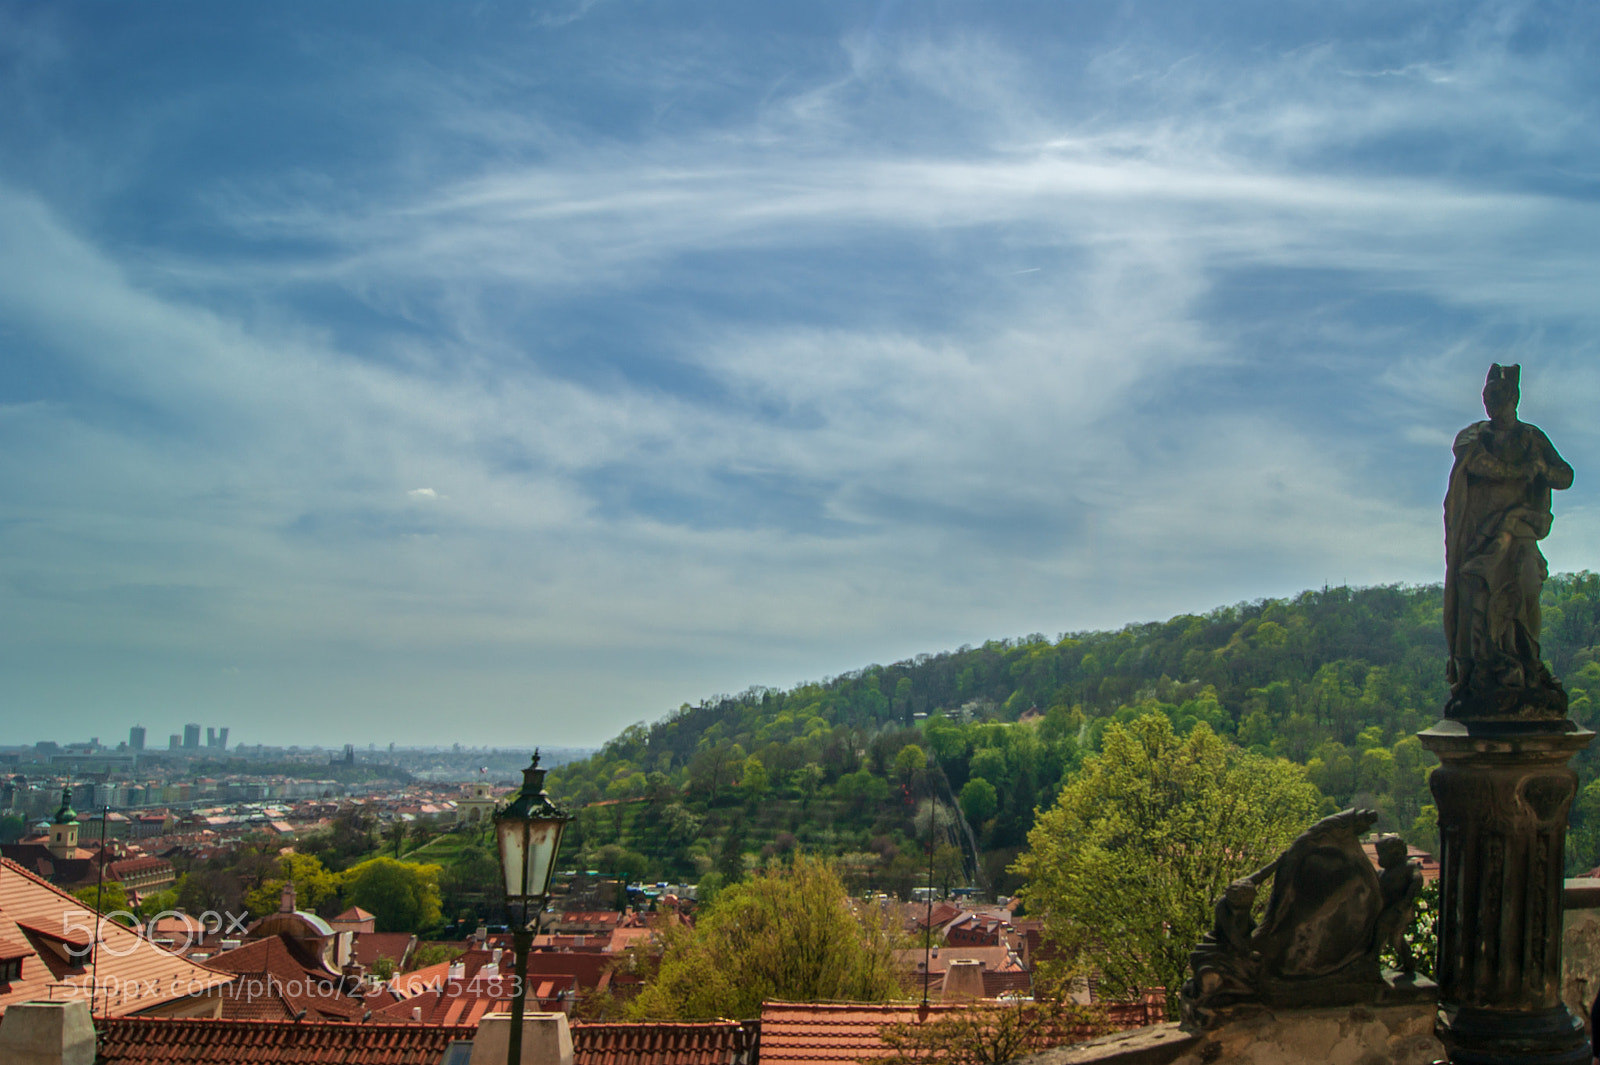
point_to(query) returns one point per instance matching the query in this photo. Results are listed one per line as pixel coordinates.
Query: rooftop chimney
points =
(47, 1033)
(286, 900)
(546, 1039)
(963, 979)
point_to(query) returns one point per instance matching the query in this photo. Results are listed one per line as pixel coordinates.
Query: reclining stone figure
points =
(1327, 919)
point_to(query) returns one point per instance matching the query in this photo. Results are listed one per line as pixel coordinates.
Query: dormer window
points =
(12, 954)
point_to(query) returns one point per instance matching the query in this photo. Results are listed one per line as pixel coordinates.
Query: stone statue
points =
(1400, 883)
(1496, 511)
(1226, 967)
(1329, 916)
(1325, 900)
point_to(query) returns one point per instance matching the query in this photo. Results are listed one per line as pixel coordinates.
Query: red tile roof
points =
(993, 959)
(795, 1032)
(709, 1043)
(1007, 983)
(370, 946)
(476, 988)
(164, 1041)
(160, 1041)
(803, 1033)
(943, 913)
(277, 981)
(134, 974)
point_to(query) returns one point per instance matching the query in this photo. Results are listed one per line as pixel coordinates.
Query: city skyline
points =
(518, 374)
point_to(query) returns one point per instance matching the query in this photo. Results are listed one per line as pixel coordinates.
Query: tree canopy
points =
(1336, 679)
(1126, 865)
(402, 896)
(789, 932)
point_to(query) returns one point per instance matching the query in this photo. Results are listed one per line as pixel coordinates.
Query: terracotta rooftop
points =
(159, 1041)
(279, 980)
(796, 1032)
(943, 913)
(370, 946)
(993, 959)
(708, 1043)
(134, 974)
(1007, 983)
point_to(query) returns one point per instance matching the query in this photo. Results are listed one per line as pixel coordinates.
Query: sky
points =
(511, 373)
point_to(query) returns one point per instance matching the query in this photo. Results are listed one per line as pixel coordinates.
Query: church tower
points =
(64, 832)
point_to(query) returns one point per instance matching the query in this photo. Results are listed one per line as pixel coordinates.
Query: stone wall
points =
(1580, 948)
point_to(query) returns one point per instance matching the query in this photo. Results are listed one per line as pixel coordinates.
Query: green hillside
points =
(1339, 680)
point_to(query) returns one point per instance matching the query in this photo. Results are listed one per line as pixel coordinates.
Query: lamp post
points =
(528, 830)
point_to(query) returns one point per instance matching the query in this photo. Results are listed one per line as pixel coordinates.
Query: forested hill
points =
(1338, 679)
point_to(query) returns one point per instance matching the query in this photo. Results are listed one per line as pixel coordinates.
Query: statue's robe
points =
(1496, 510)
(1325, 902)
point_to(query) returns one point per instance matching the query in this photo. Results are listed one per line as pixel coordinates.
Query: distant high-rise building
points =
(174, 742)
(349, 754)
(222, 737)
(191, 737)
(211, 736)
(136, 737)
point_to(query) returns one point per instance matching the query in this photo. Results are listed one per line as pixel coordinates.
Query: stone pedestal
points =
(1503, 792)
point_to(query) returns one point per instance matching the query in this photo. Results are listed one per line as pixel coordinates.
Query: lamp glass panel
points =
(543, 839)
(512, 854)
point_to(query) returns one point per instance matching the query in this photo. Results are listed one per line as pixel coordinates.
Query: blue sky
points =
(512, 373)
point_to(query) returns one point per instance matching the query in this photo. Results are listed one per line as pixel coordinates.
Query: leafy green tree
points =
(158, 902)
(990, 764)
(11, 828)
(709, 888)
(1421, 935)
(428, 954)
(469, 887)
(404, 897)
(315, 888)
(979, 800)
(730, 859)
(809, 778)
(753, 780)
(787, 933)
(679, 823)
(948, 866)
(1583, 837)
(1126, 866)
(113, 897)
(908, 763)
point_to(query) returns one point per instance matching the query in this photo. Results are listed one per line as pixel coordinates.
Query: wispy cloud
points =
(885, 339)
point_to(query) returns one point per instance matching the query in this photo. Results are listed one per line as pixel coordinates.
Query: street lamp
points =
(528, 830)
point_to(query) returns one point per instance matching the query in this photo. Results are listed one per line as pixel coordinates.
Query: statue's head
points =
(1502, 391)
(1241, 894)
(1391, 851)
